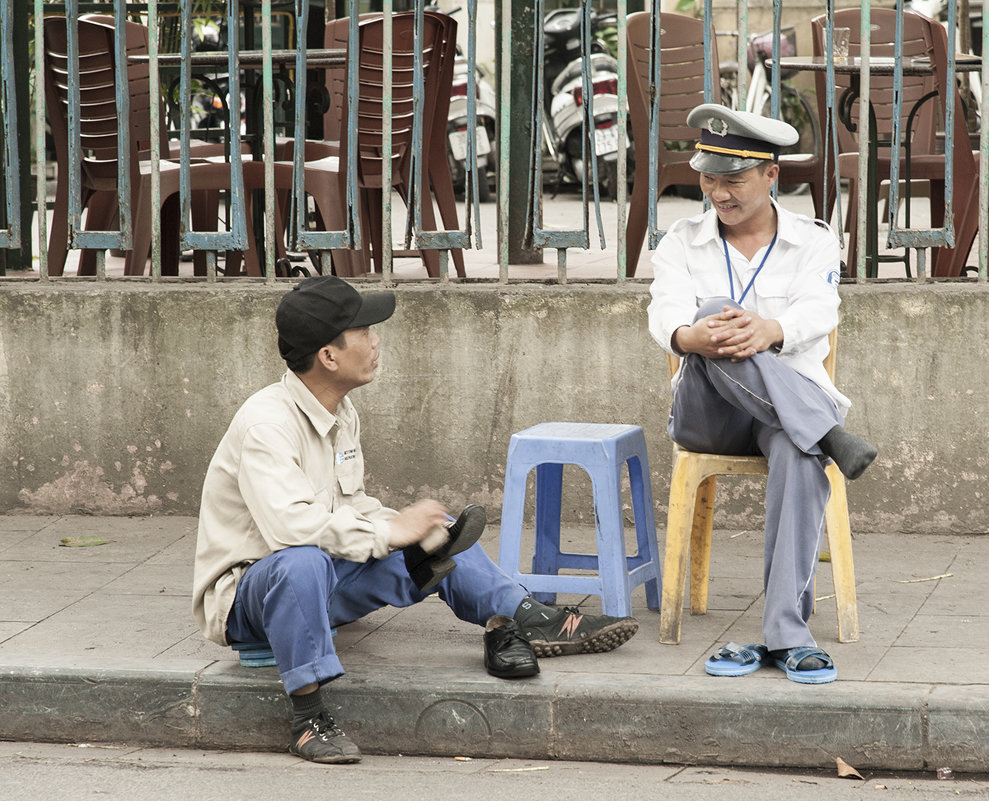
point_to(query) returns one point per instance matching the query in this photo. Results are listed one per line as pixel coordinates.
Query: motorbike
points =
(485, 114)
(935, 9)
(563, 99)
(210, 100)
(456, 127)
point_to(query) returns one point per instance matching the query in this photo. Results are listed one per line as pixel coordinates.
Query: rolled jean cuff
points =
(325, 668)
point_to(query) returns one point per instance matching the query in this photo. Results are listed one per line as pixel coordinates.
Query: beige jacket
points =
(286, 473)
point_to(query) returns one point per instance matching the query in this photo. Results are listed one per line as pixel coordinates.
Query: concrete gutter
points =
(575, 717)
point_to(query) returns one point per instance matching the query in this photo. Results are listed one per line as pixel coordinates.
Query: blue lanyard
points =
(731, 280)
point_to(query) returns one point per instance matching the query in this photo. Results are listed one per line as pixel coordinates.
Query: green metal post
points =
(519, 128)
(983, 252)
(22, 60)
(15, 259)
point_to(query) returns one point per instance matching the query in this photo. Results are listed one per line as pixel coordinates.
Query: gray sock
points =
(305, 707)
(852, 454)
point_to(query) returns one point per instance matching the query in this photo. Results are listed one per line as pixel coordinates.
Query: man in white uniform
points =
(747, 294)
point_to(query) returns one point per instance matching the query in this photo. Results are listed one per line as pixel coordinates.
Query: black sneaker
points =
(323, 741)
(569, 631)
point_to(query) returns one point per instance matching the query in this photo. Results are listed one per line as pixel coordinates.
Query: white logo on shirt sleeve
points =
(832, 277)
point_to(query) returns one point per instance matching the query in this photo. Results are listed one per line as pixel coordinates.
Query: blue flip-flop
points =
(736, 660)
(790, 663)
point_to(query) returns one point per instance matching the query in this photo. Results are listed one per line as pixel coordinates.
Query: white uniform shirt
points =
(798, 286)
(286, 473)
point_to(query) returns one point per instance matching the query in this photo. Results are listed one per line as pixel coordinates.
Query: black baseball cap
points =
(319, 309)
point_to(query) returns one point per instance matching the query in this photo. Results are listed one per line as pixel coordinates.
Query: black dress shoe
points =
(429, 569)
(507, 654)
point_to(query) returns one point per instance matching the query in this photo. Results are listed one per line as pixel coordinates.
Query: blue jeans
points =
(293, 597)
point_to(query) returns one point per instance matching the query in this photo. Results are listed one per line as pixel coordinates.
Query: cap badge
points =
(717, 126)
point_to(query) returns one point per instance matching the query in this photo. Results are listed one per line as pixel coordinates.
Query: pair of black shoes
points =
(429, 567)
(511, 647)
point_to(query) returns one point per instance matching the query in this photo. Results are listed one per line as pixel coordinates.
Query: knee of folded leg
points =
(713, 306)
(300, 557)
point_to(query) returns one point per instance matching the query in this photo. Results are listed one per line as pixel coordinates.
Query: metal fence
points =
(521, 119)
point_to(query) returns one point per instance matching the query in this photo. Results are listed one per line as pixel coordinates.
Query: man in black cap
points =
(747, 293)
(290, 544)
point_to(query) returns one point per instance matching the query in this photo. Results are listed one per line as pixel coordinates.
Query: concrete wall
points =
(116, 395)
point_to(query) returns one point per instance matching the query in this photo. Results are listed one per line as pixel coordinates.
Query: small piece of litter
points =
(81, 542)
(917, 581)
(519, 770)
(846, 771)
(462, 759)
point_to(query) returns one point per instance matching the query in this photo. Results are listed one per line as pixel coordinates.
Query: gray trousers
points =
(762, 406)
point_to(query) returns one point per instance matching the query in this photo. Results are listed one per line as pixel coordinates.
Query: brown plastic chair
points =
(682, 75)
(947, 262)
(323, 158)
(98, 125)
(437, 165)
(691, 515)
(925, 162)
(682, 69)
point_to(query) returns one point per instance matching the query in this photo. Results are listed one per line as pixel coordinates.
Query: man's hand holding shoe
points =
(428, 558)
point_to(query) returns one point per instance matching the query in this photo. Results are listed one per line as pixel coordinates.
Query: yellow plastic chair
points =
(690, 518)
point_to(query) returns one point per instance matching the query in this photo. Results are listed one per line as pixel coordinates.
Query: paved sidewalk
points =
(98, 643)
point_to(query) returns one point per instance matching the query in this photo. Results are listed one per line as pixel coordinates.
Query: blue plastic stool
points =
(254, 654)
(259, 654)
(601, 450)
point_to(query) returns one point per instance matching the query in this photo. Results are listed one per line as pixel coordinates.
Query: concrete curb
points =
(398, 710)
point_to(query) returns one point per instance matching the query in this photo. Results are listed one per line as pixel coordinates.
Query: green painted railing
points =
(265, 145)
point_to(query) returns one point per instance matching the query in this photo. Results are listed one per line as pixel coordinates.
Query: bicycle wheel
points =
(797, 110)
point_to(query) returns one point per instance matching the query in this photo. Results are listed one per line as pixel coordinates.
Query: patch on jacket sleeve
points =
(832, 276)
